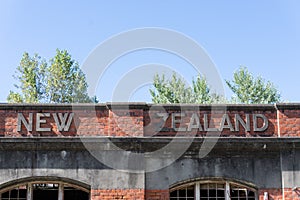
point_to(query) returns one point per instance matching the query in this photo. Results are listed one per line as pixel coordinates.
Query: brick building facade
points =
(145, 151)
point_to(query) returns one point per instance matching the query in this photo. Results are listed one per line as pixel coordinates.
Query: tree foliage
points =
(248, 89)
(245, 87)
(65, 81)
(175, 90)
(58, 81)
(30, 76)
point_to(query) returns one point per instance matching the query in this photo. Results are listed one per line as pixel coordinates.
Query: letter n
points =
(21, 119)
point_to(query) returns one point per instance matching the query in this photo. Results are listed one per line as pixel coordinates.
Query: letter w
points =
(62, 123)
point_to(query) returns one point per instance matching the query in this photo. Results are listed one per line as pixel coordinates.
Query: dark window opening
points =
(71, 193)
(212, 191)
(186, 193)
(18, 193)
(45, 191)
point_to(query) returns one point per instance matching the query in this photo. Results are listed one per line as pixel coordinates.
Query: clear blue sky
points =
(262, 35)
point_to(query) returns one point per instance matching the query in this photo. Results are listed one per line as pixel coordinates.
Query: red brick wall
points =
(151, 122)
(289, 121)
(130, 194)
(105, 121)
(277, 194)
(273, 194)
(157, 195)
(289, 194)
(136, 194)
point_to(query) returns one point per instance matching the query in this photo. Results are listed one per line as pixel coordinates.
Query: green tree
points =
(14, 97)
(201, 92)
(176, 91)
(65, 81)
(248, 89)
(58, 81)
(30, 75)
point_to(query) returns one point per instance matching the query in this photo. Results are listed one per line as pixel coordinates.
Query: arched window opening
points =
(17, 193)
(239, 193)
(186, 192)
(74, 193)
(215, 190)
(45, 191)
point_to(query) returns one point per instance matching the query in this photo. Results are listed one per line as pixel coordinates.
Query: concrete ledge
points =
(148, 144)
(146, 106)
(288, 106)
(228, 107)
